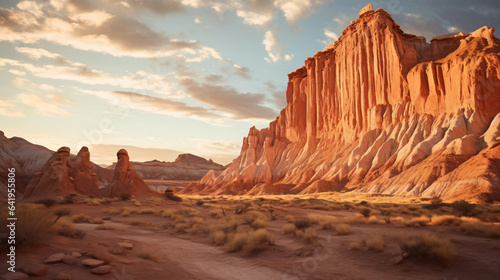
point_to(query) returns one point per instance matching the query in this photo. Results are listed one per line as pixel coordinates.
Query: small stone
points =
(15, 276)
(76, 254)
(35, 269)
(398, 260)
(105, 269)
(101, 254)
(405, 255)
(69, 259)
(55, 258)
(62, 276)
(118, 250)
(126, 245)
(93, 262)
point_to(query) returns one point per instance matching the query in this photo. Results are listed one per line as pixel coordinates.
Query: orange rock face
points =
(126, 182)
(63, 175)
(380, 111)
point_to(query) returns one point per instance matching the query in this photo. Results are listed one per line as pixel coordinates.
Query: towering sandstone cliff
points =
(381, 111)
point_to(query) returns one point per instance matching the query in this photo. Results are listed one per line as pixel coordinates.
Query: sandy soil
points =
(192, 255)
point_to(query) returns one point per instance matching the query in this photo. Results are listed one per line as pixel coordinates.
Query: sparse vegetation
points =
(219, 237)
(375, 243)
(464, 208)
(81, 218)
(428, 246)
(354, 246)
(149, 253)
(302, 223)
(365, 212)
(343, 229)
(289, 228)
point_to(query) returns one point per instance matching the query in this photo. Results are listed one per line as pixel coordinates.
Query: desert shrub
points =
(199, 203)
(259, 223)
(250, 242)
(475, 226)
(33, 223)
(69, 199)
(289, 218)
(417, 222)
(372, 220)
(444, 219)
(61, 213)
(343, 229)
(215, 213)
(237, 241)
(302, 223)
(310, 235)
(147, 211)
(299, 233)
(464, 208)
(289, 228)
(240, 209)
(427, 246)
(65, 227)
(363, 202)
(96, 221)
(365, 212)
(397, 220)
(125, 196)
(149, 253)
(375, 243)
(218, 237)
(81, 218)
(181, 227)
(354, 246)
(47, 202)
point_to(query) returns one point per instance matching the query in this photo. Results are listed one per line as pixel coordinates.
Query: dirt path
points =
(200, 260)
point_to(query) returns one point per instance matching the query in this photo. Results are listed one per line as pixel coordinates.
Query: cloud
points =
(197, 20)
(17, 72)
(41, 105)
(36, 53)
(217, 147)
(254, 18)
(278, 95)
(78, 72)
(227, 100)
(80, 25)
(160, 7)
(156, 105)
(6, 109)
(331, 34)
(295, 10)
(420, 25)
(272, 47)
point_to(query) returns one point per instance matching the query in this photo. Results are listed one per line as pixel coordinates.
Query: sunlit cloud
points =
(41, 105)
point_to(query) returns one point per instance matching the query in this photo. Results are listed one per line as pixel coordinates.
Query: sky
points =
(175, 76)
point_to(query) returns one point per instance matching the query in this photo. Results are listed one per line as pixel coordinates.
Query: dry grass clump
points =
(149, 253)
(113, 211)
(259, 223)
(417, 222)
(472, 226)
(218, 237)
(302, 223)
(343, 229)
(428, 246)
(96, 221)
(310, 235)
(327, 222)
(373, 220)
(354, 246)
(148, 211)
(375, 243)
(289, 228)
(290, 218)
(250, 242)
(65, 227)
(81, 218)
(397, 220)
(356, 219)
(444, 220)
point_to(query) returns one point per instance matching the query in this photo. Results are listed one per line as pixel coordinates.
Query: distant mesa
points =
(126, 182)
(380, 111)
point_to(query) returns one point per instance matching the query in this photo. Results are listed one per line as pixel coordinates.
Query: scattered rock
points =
(405, 255)
(93, 262)
(76, 254)
(55, 258)
(15, 276)
(69, 259)
(36, 269)
(117, 250)
(126, 245)
(62, 276)
(398, 260)
(105, 269)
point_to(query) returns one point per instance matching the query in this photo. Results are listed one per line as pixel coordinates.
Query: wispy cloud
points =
(295, 10)
(8, 109)
(41, 105)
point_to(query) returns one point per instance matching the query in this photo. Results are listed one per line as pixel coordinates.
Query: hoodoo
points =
(381, 111)
(126, 182)
(63, 175)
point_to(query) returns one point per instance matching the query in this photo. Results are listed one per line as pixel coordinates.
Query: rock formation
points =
(126, 182)
(29, 159)
(381, 111)
(63, 175)
(186, 167)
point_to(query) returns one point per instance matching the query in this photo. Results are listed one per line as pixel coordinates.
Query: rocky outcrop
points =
(380, 111)
(29, 159)
(63, 175)
(186, 167)
(126, 182)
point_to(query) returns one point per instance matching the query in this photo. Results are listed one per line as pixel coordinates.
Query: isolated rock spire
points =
(126, 182)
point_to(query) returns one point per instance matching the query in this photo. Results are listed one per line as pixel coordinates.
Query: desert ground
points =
(324, 236)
